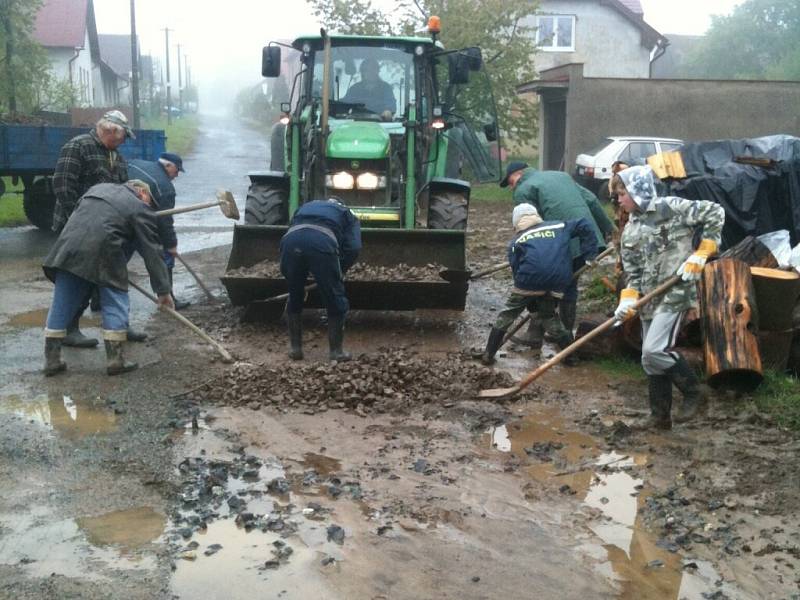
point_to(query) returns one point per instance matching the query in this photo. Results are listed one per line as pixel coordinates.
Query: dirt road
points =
(194, 479)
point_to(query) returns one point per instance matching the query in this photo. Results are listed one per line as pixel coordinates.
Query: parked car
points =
(593, 169)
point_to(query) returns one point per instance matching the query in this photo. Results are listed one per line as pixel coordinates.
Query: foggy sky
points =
(223, 40)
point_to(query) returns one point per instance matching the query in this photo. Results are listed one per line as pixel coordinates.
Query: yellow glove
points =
(627, 299)
(692, 267)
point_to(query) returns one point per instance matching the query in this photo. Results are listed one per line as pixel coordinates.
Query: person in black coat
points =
(324, 238)
(92, 251)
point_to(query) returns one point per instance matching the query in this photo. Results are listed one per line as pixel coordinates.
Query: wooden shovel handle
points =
(183, 209)
(541, 369)
(176, 315)
(490, 270)
(196, 278)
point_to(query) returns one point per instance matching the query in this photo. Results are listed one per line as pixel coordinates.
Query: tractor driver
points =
(324, 237)
(372, 91)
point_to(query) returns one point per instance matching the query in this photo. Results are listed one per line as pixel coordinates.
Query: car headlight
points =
(340, 181)
(370, 181)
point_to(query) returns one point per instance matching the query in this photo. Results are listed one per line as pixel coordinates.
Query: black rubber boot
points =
(660, 388)
(336, 339)
(492, 345)
(74, 337)
(567, 311)
(116, 363)
(295, 323)
(179, 304)
(136, 336)
(685, 379)
(533, 337)
(52, 357)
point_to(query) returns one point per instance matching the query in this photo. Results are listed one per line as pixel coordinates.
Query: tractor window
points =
(371, 83)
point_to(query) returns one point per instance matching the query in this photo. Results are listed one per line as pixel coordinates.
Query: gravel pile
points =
(387, 381)
(359, 272)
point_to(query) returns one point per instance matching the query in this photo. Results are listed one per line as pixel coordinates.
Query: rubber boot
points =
(135, 335)
(336, 339)
(660, 391)
(295, 323)
(685, 379)
(52, 357)
(179, 304)
(533, 337)
(75, 338)
(116, 363)
(492, 345)
(567, 310)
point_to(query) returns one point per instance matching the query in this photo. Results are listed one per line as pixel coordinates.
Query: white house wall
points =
(82, 78)
(605, 42)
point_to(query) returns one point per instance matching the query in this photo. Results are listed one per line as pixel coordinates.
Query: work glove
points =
(627, 299)
(692, 267)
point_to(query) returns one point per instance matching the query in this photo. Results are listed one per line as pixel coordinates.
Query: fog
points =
(222, 40)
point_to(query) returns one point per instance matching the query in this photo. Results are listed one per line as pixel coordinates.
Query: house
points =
(609, 37)
(68, 32)
(674, 62)
(115, 51)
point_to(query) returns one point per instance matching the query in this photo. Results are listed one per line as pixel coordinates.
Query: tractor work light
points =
(370, 181)
(434, 25)
(340, 181)
(284, 120)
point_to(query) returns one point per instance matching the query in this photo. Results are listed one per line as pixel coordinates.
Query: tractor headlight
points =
(370, 181)
(340, 181)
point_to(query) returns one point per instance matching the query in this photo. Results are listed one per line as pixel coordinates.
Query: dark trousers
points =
(297, 260)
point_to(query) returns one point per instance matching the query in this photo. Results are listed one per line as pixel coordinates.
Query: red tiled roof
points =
(633, 5)
(61, 23)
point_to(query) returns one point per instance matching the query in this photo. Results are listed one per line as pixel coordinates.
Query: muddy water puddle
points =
(69, 416)
(128, 530)
(620, 547)
(37, 318)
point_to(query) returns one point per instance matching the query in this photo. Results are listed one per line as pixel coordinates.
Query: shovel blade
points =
(499, 393)
(227, 204)
(455, 276)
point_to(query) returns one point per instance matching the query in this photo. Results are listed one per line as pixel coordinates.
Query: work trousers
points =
(72, 292)
(543, 314)
(659, 335)
(298, 259)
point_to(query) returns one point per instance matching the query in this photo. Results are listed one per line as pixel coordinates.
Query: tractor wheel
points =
(277, 141)
(266, 205)
(447, 210)
(38, 201)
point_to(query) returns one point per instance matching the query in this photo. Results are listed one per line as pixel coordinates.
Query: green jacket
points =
(558, 198)
(655, 243)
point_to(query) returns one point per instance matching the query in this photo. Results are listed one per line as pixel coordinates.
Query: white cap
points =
(522, 210)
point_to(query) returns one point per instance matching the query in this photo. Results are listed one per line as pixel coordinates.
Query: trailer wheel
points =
(38, 201)
(277, 141)
(266, 205)
(447, 210)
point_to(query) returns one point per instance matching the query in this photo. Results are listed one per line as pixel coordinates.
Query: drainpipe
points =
(661, 48)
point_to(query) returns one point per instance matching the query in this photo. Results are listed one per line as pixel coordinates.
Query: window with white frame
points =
(555, 33)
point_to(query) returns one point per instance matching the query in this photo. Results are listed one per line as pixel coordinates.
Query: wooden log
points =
(610, 343)
(727, 306)
(752, 252)
(775, 347)
(776, 294)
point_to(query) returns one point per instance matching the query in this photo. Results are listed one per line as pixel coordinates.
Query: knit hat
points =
(641, 185)
(523, 210)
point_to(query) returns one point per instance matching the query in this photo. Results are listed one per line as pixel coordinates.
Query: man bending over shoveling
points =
(541, 262)
(91, 251)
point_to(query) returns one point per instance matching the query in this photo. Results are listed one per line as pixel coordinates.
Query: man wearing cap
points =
(86, 160)
(159, 176)
(541, 261)
(90, 252)
(557, 197)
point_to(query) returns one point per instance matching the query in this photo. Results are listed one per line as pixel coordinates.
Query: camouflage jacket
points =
(656, 241)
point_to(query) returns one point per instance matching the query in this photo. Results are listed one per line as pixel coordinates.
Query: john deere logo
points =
(355, 164)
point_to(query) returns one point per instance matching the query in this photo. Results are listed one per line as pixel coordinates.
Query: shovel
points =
(226, 357)
(196, 278)
(224, 200)
(272, 308)
(454, 276)
(503, 393)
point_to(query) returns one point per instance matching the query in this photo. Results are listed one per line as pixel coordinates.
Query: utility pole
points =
(134, 68)
(169, 95)
(180, 81)
(9, 33)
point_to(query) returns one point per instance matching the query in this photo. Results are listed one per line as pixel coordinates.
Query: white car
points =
(593, 169)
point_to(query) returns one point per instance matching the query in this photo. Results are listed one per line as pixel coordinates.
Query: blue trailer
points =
(29, 153)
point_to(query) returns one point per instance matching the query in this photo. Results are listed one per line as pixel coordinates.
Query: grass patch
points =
(181, 133)
(779, 396)
(489, 192)
(621, 367)
(11, 212)
(597, 290)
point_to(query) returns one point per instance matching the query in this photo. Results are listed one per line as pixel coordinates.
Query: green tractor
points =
(394, 127)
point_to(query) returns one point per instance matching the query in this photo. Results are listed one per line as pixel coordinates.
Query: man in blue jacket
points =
(324, 238)
(159, 175)
(541, 261)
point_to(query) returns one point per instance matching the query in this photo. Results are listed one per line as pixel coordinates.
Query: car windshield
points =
(371, 83)
(599, 147)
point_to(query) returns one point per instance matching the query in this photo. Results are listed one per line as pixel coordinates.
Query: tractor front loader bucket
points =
(253, 244)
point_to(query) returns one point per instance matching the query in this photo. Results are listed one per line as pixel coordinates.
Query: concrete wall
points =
(605, 42)
(692, 110)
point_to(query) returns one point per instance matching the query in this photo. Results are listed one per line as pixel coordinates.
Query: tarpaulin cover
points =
(756, 199)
